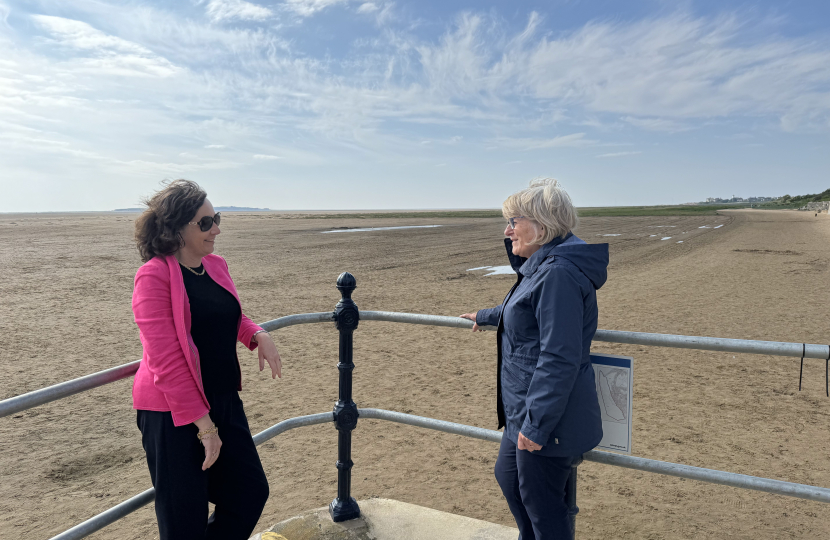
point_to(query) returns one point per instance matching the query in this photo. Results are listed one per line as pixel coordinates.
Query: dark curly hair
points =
(168, 211)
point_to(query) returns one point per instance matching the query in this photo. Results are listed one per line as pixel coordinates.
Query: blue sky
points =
(340, 104)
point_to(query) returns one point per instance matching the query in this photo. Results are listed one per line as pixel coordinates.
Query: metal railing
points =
(745, 346)
(778, 487)
(344, 417)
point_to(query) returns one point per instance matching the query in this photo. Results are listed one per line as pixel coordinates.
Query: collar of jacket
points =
(528, 266)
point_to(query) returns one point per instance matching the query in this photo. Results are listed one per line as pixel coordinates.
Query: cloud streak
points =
(618, 154)
(229, 10)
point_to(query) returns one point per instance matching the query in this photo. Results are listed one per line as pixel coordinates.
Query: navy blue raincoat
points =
(546, 385)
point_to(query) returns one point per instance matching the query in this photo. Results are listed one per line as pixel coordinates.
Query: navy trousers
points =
(534, 487)
(235, 483)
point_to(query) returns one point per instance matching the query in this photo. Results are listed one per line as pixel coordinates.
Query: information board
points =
(615, 384)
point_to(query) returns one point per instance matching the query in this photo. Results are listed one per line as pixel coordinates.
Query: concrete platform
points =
(385, 519)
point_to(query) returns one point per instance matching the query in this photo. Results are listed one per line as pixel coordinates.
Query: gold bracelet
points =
(210, 431)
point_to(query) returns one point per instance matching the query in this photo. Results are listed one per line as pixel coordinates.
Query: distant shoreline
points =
(604, 211)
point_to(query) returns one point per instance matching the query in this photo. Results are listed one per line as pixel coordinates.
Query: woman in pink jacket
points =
(193, 427)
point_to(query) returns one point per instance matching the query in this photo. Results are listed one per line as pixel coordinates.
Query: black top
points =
(214, 321)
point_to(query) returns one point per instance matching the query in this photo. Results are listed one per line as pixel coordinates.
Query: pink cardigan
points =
(169, 377)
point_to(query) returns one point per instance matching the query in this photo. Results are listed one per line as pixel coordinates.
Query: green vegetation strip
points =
(674, 210)
(611, 211)
(401, 215)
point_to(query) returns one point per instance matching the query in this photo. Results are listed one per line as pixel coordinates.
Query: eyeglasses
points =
(206, 222)
(512, 221)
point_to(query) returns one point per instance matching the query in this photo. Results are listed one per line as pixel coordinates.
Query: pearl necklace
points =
(202, 273)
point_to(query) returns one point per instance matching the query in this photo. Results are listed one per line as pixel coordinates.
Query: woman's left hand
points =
(527, 444)
(268, 353)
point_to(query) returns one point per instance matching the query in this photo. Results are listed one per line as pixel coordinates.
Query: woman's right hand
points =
(212, 443)
(472, 317)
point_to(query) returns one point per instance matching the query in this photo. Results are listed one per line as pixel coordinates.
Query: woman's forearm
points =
(204, 422)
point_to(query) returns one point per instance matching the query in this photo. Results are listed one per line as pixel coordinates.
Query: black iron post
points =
(570, 497)
(346, 317)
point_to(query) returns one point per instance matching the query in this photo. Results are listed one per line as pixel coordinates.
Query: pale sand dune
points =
(66, 290)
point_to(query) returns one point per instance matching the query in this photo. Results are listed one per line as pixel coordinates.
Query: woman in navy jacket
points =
(547, 399)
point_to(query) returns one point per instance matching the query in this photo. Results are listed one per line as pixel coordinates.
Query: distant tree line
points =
(801, 200)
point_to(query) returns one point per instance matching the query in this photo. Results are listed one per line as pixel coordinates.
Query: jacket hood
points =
(591, 259)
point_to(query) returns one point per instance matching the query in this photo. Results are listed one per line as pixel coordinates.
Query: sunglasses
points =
(206, 222)
(512, 221)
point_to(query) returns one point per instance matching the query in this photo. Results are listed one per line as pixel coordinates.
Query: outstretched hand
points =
(268, 353)
(472, 317)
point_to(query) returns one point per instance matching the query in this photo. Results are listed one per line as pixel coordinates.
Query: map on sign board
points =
(615, 381)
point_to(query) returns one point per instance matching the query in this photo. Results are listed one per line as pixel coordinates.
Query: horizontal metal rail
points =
(88, 382)
(66, 389)
(775, 348)
(300, 318)
(748, 346)
(129, 506)
(743, 481)
(418, 318)
(778, 487)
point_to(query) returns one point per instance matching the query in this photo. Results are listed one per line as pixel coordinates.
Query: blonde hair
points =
(547, 204)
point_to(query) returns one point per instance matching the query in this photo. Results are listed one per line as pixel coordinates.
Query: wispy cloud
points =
(573, 140)
(618, 154)
(676, 67)
(228, 10)
(115, 84)
(657, 124)
(307, 8)
(103, 52)
(368, 7)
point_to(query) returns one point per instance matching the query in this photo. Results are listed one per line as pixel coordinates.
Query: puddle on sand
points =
(705, 227)
(666, 238)
(680, 242)
(610, 235)
(494, 270)
(382, 228)
(719, 226)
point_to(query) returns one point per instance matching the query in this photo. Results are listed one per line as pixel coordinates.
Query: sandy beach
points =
(742, 274)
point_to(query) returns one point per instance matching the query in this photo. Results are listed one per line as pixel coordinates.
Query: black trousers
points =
(534, 487)
(235, 483)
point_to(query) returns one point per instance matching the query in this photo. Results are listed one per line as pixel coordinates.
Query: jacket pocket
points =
(519, 375)
(514, 393)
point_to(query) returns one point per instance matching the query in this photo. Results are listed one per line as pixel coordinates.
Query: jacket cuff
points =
(488, 317)
(179, 419)
(536, 435)
(247, 338)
